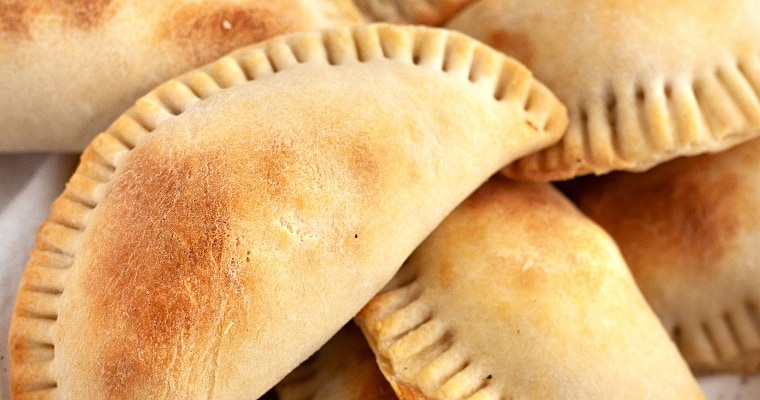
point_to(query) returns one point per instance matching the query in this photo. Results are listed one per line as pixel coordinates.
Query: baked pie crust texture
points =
(52, 284)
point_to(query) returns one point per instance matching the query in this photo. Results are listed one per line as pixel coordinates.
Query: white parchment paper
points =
(30, 183)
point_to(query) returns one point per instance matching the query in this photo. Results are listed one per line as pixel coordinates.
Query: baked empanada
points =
(70, 68)
(517, 295)
(229, 223)
(690, 231)
(644, 81)
(343, 369)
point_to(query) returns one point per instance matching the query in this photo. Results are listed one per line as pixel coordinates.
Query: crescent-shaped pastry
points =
(70, 68)
(517, 295)
(226, 226)
(644, 81)
(343, 369)
(690, 231)
(428, 12)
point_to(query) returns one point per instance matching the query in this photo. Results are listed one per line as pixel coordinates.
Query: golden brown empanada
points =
(227, 225)
(690, 231)
(644, 81)
(70, 68)
(343, 369)
(517, 295)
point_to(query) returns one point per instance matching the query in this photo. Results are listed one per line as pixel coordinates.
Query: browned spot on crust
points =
(16, 17)
(447, 273)
(206, 31)
(488, 195)
(674, 215)
(167, 273)
(515, 44)
(172, 273)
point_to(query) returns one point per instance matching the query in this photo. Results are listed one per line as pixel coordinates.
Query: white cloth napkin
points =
(30, 183)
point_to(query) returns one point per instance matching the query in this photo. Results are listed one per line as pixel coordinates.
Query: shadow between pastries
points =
(227, 225)
(427, 12)
(517, 295)
(343, 369)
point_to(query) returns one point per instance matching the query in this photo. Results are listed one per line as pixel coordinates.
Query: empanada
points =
(644, 81)
(226, 226)
(343, 369)
(690, 231)
(70, 68)
(517, 295)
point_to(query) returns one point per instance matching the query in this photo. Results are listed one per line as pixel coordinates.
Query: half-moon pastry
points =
(644, 81)
(71, 67)
(343, 369)
(226, 226)
(427, 12)
(690, 231)
(517, 295)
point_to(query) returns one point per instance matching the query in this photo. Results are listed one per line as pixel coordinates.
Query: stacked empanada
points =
(70, 68)
(344, 368)
(646, 82)
(227, 225)
(220, 235)
(517, 295)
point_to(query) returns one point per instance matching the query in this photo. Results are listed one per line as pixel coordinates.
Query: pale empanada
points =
(343, 369)
(644, 81)
(70, 68)
(428, 12)
(517, 295)
(226, 226)
(690, 231)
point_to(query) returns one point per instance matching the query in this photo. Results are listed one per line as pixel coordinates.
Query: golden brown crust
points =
(197, 269)
(232, 204)
(689, 229)
(88, 14)
(699, 208)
